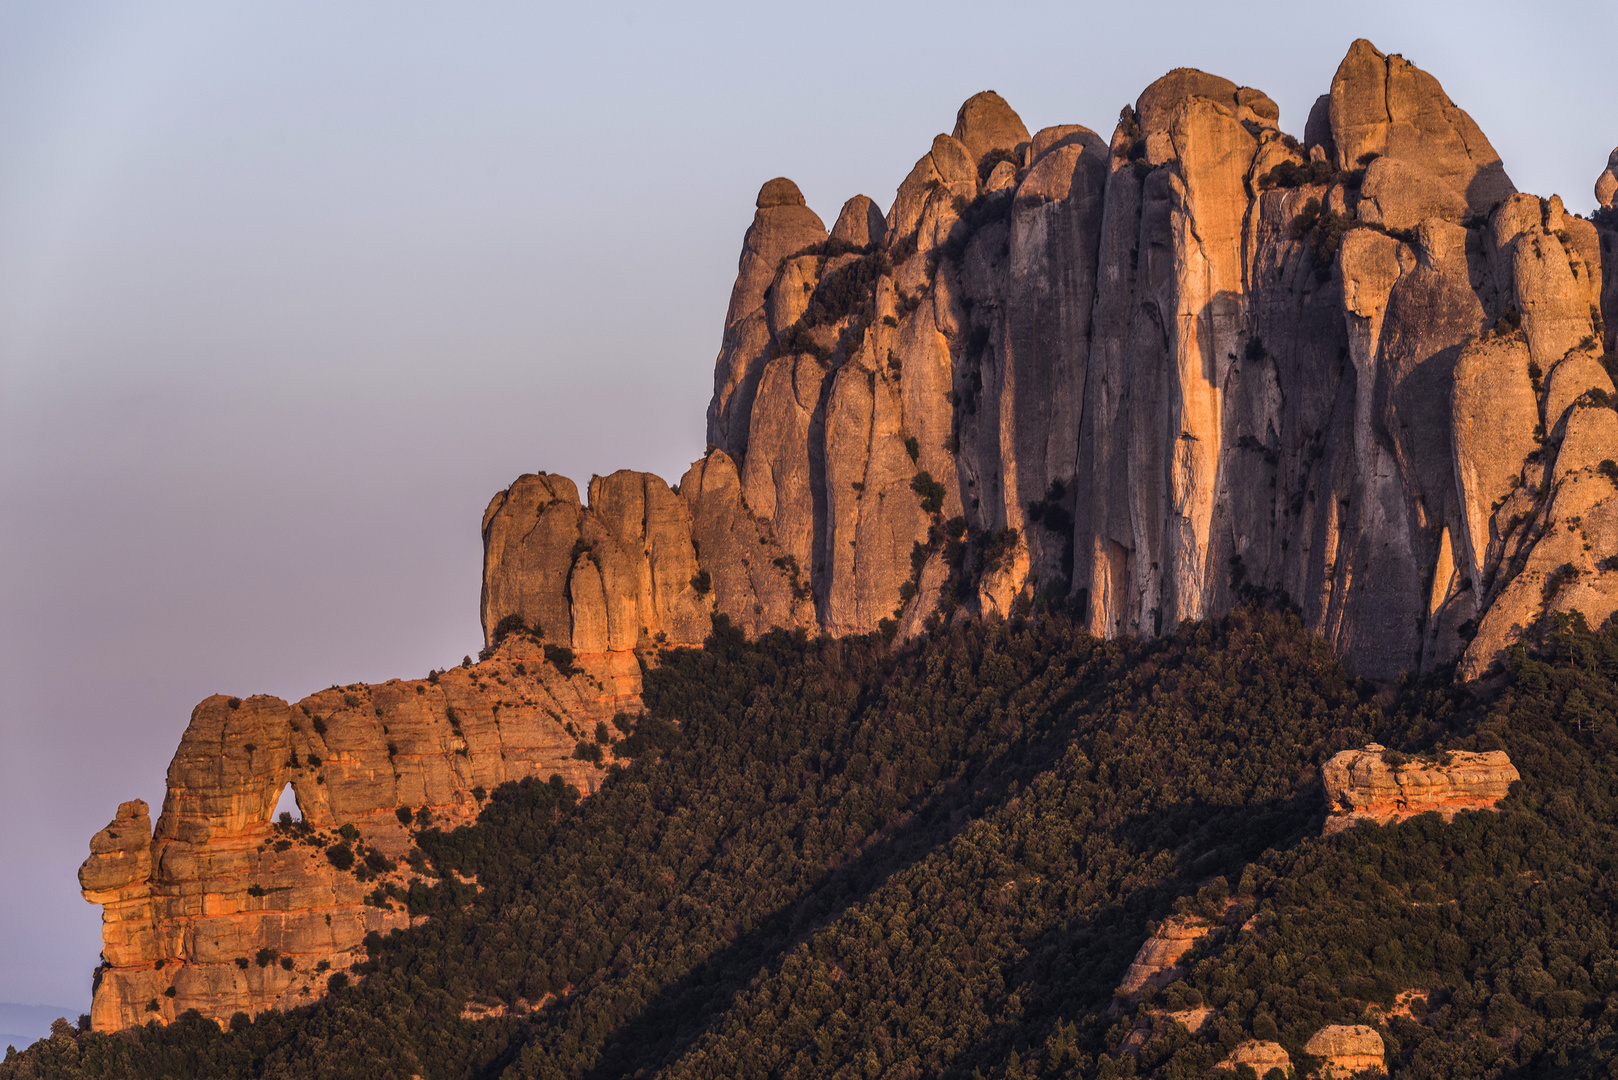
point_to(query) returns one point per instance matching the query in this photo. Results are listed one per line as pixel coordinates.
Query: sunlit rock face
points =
(1348, 1050)
(1146, 377)
(1373, 785)
(223, 911)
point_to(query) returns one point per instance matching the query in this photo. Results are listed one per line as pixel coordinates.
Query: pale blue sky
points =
(289, 290)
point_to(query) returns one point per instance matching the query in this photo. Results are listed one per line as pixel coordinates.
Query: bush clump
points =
(931, 491)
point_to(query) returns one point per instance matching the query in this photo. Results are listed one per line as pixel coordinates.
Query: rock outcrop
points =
(1375, 785)
(222, 909)
(1259, 1056)
(1155, 963)
(1146, 377)
(1348, 1049)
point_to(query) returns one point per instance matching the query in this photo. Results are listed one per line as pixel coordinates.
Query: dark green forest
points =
(862, 859)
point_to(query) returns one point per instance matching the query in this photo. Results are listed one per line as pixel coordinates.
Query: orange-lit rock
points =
(1260, 1056)
(1348, 1049)
(1361, 785)
(1143, 376)
(190, 912)
(1161, 951)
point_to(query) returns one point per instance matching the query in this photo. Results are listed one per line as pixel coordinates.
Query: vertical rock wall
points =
(1147, 377)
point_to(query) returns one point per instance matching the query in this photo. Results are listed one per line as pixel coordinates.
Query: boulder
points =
(1259, 1056)
(1158, 955)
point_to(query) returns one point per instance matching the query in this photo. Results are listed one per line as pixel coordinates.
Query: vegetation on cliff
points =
(863, 859)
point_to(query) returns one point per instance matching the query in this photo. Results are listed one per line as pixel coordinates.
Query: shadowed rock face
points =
(1147, 377)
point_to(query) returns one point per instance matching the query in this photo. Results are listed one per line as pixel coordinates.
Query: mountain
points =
(1007, 490)
(1146, 378)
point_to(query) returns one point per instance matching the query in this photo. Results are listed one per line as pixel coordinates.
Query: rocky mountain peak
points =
(986, 123)
(1385, 107)
(1143, 380)
(779, 192)
(1150, 378)
(860, 223)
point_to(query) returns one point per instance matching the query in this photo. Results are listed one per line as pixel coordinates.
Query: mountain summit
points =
(1144, 377)
(1131, 382)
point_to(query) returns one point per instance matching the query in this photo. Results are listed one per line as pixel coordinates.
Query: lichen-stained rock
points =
(860, 223)
(1555, 309)
(1494, 417)
(748, 574)
(234, 913)
(117, 875)
(1363, 785)
(1153, 378)
(776, 475)
(1400, 195)
(1574, 525)
(610, 577)
(647, 521)
(1579, 376)
(1348, 1049)
(529, 531)
(1054, 234)
(1212, 155)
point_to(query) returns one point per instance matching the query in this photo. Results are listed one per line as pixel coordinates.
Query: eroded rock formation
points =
(223, 910)
(1348, 1049)
(1373, 785)
(1145, 376)
(1260, 1056)
(1155, 963)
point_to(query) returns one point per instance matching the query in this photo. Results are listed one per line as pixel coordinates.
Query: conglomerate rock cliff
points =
(1144, 376)
(1374, 785)
(223, 909)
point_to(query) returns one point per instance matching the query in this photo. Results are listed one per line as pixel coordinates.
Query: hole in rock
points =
(287, 804)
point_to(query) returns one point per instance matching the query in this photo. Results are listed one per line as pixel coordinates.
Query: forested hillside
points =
(855, 858)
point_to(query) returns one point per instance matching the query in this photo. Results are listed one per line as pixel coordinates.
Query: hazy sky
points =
(289, 290)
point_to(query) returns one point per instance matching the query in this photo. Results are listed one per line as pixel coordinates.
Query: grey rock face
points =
(1147, 377)
(781, 225)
